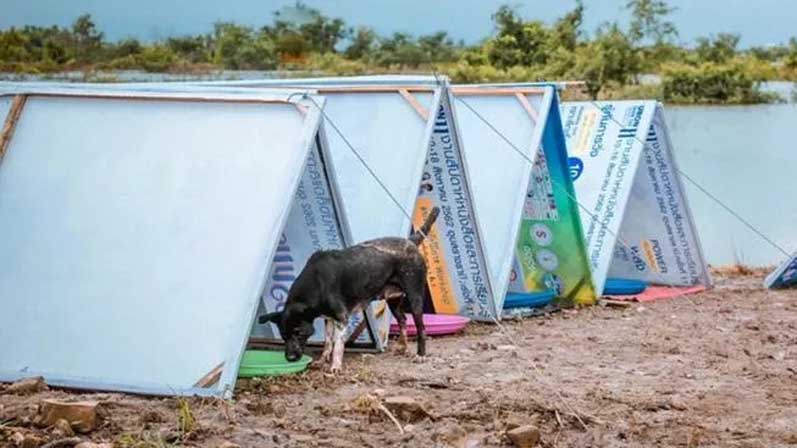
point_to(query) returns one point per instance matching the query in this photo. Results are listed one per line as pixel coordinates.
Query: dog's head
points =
(295, 331)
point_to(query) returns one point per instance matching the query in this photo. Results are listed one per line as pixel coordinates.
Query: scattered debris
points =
(152, 416)
(27, 386)
(526, 436)
(371, 405)
(81, 415)
(473, 440)
(407, 408)
(506, 347)
(62, 443)
(62, 428)
(615, 303)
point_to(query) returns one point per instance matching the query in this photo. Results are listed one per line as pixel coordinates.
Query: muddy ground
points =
(714, 369)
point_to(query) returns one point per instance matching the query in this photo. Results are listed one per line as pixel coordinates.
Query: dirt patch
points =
(715, 369)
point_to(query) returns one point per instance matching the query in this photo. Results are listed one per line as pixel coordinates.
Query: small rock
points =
(260, 407)
(27, 386)
(279, 410)
(524, 436)
(379, 392)
(506, 347)
(93, 445)
(473, 441)
(62, 428)
(228, 444)
(17, 439)
(169, 435)
(26, 441)
(406, 408)
(81, 415)
(409, 428)
(152, 416)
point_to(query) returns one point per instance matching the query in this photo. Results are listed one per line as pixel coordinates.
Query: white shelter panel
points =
(137, 235)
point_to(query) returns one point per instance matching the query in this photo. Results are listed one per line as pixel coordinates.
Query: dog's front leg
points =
(339, 337)
(329, 341)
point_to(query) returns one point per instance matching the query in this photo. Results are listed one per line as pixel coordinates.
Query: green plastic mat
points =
(269, 363)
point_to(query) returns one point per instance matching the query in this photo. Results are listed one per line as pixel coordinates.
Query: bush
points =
(156, 58)
(335, 65)
(711, 83)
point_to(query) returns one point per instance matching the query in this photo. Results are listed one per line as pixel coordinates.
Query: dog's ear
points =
(271, 317)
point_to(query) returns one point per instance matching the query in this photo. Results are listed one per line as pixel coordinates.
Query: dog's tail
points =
(419, 235)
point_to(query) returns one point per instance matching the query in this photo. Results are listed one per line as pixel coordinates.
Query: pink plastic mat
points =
(653, 293)
(436, 324)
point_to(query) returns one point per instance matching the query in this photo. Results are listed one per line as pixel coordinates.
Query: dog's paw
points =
(418, 359)
(333, 369)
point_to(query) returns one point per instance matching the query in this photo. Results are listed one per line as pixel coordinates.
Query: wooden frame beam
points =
(535, 117)
(372, 89)
(410, 98)
(490, 91)
(17, 104)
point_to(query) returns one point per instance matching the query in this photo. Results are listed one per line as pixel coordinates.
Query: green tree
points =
(12, 46)
(609, 58)
(399, 49)
(790, 60)
(517, 42)
(437, 47)
(567, 30)
(323, 34)
(126, 47)
(194, 49)
(237, 47)
(156, 58)
(86, 37)
(319, 33)
(648, 21)
(717, 49)
(54, 51)
(362, 44)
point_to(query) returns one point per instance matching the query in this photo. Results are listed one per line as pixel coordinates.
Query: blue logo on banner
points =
(576, 167)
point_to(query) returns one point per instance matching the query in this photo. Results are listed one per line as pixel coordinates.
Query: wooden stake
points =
(17, 104)
(211, 377)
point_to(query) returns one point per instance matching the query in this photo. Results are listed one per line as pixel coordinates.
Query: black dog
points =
(338, 283)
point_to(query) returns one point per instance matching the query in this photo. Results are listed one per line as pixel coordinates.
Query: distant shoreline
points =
(647, 88)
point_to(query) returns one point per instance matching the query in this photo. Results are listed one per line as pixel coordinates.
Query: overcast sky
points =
(760, 22)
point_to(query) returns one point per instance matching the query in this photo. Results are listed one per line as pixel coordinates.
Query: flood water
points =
(747, 157)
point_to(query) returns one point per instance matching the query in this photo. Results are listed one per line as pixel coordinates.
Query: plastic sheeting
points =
(137, 232)
(517, 160)
(637, 221)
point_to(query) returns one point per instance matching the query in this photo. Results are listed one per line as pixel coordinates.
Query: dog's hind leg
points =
(339, 338)
(401, 318)
(417, 317)
(414, 283)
